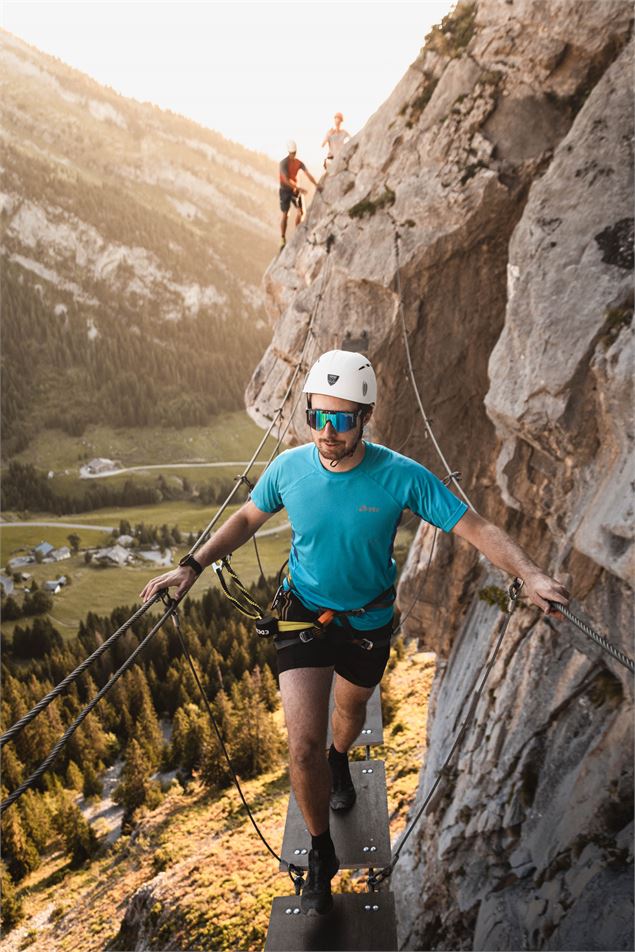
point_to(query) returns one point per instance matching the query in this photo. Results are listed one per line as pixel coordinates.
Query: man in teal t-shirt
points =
(344, 497)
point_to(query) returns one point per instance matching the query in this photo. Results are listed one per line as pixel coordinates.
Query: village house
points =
(6, 584)
(43, 550)
(98, 466)
(55, 585)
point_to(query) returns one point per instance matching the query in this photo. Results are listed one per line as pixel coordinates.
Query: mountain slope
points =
(134, 243)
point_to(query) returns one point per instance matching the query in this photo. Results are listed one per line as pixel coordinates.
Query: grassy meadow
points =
(100, 589)
(233, 436)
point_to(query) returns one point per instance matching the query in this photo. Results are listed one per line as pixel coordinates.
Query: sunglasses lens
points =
(340, 421)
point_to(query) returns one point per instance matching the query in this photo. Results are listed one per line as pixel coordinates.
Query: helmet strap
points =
(334, 462)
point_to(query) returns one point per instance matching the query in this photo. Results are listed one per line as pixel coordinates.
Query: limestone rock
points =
(560, 395)
(482, 215)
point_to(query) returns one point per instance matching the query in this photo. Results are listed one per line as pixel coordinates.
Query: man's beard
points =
(335, 452)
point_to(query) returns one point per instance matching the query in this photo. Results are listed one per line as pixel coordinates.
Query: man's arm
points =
(309, 176)
(503, 552)
(238, 529)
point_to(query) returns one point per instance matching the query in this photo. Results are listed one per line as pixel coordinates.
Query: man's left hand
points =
(543, 589)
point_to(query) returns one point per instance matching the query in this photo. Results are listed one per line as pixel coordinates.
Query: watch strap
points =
(189, 561)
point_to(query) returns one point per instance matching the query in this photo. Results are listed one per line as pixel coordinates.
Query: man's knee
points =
(350, 709)
(307, 753)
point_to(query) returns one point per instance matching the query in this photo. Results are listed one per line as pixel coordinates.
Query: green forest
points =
(235, 668)
(134, 373)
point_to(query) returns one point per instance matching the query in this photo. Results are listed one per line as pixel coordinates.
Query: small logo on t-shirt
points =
(368, 509)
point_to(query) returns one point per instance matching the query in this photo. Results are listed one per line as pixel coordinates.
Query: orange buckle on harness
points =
(325, 618)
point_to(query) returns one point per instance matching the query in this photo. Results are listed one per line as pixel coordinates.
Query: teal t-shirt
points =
(343, 524)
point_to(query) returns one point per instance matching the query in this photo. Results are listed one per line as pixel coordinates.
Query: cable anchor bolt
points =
(297, 878)
(513, 594)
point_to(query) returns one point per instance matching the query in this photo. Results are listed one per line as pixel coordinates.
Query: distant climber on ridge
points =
(290, 192)
(344, 497)
(335, 139)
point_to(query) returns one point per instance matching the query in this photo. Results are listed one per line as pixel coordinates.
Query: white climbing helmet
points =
(344, 374)
(291, 146)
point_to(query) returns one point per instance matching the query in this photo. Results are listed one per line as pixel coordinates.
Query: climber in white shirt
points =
(335, 139)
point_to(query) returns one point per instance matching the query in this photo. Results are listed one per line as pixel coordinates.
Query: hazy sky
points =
(259, 73)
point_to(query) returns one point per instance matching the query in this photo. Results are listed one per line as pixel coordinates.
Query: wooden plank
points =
(364, 921)
(373, 730)
(361, 834)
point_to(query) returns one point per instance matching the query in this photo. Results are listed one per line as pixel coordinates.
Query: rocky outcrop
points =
(495, 183)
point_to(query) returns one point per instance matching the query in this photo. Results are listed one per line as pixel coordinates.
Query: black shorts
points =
(354, 663)
(288, 197)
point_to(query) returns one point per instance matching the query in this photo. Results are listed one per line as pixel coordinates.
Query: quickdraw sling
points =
(286, 632)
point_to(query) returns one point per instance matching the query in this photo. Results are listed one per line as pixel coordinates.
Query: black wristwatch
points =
(191, 563)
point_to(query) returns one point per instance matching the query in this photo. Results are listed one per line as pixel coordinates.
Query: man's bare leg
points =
(305, 699)
(348, 717)
(349, 712)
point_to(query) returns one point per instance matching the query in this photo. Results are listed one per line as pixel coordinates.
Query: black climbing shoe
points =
(316, 898)
(343, 794)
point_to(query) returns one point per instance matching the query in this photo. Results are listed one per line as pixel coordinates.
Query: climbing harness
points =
(286, 632)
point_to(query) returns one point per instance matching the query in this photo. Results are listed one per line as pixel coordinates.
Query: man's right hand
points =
(183, 577)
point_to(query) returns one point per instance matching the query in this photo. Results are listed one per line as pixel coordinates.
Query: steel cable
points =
(79, 670)
(240, 479)
(46, 763)
(295, 872)
(45, 701)
(595, 636)
(376, 878)
(426, 421)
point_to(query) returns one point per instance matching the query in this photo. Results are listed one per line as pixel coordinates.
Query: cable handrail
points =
(426, 420)
(57, 690)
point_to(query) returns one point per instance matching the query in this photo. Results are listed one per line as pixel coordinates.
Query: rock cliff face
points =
(496, 182)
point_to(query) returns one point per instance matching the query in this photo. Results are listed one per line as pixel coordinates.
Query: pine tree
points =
(215, 772)
(18, 850)
(269, 690)
(92, 785)
(257, 740)
(134, 785)
(74, 778)
(80, 840)
(12, 768)
(190, 734)
(147, 732)
(37, 819)
(11, 907)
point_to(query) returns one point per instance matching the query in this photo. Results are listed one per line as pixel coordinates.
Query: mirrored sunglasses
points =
(340, 420)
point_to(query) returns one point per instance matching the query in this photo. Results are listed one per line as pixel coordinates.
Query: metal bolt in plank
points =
(361, 835)
(364, 921)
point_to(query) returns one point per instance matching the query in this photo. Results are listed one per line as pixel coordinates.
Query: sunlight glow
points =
(258, 73)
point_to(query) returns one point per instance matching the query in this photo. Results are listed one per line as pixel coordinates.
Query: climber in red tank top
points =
(290, 192)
